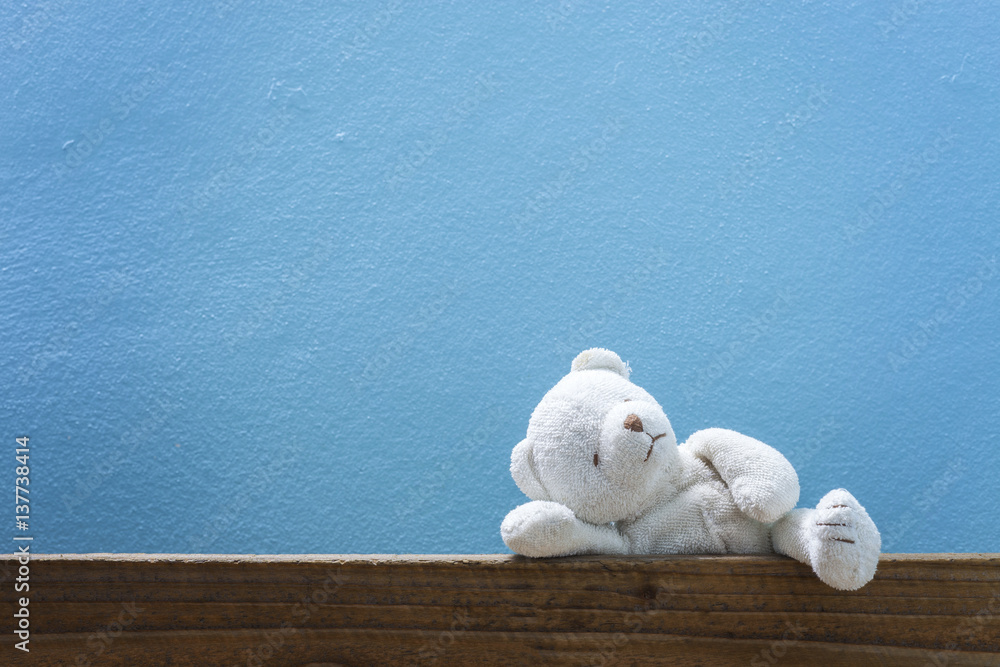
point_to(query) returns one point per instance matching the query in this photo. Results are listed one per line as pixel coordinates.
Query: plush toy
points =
(605, 475)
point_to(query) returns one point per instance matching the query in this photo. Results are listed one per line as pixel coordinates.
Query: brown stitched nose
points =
(633, 423)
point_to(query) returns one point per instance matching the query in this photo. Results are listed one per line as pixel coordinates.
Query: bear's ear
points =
(598, 357)
(522, 469)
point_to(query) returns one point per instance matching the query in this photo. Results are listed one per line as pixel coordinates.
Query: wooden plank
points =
(377, 647)
(490, 609)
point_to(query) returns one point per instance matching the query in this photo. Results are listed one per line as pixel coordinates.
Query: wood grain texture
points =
(143, 609)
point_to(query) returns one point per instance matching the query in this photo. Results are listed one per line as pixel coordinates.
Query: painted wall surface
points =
(292, 277)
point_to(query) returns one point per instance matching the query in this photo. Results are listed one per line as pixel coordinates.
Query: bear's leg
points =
(838, 539)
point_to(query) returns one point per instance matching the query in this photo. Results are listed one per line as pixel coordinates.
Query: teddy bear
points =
(605, 476)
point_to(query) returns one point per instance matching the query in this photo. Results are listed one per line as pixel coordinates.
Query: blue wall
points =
(292, 279)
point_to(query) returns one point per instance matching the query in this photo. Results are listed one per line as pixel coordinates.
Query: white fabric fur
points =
(605, 475)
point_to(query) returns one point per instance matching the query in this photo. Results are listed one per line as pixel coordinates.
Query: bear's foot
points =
(542, 529)
(842, 541)
(539, 529)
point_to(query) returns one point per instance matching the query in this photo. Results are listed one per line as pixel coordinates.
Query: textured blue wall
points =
(292, 279)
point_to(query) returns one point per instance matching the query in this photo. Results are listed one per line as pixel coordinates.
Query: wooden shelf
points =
(936, 609)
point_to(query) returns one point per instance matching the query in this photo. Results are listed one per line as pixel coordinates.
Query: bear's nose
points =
(633, 423)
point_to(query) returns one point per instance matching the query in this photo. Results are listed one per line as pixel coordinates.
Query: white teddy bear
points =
(605, 475)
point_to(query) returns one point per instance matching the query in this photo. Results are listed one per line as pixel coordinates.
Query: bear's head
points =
(596, 443)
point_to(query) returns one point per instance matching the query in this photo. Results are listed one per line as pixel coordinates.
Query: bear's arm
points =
(762, 481)
(543, 529)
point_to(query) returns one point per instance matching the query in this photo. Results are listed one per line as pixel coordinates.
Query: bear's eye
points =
(595, 458)
(626, 400)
